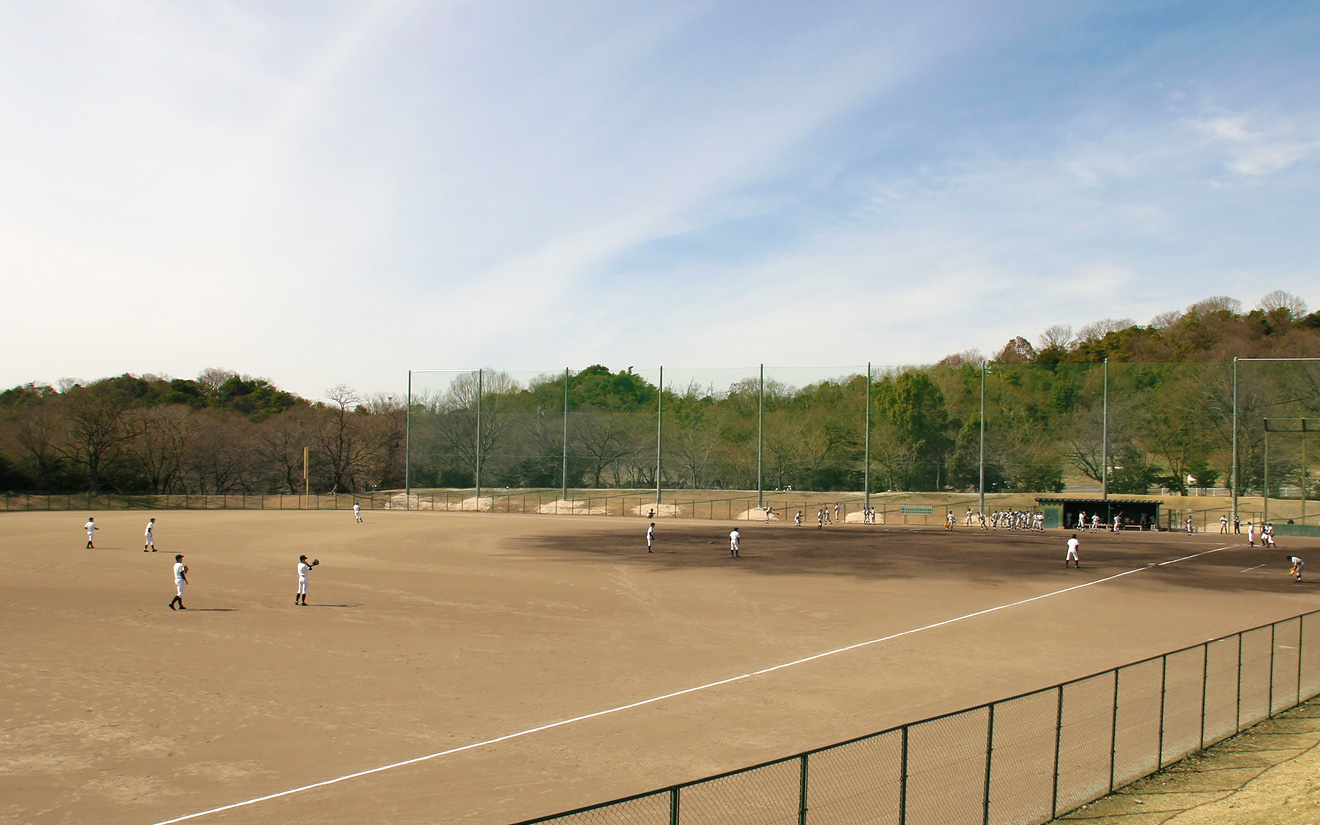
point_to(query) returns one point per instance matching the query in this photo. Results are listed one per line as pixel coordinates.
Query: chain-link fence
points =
(1027, 759)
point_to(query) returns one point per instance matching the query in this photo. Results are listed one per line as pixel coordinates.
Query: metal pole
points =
(985, 365)
(1266, 479)
(903, 780)
(1104, 445)
(659, 435)
(802, 792)
(1273, 645)
(1058, 746)
(1205, 677)
(1305, 471)
(563, 478)
(866, 471)
(989, 762)
(760, 439)
(480, 387)
(407, 449)
(1234, 472)
(1113, 733)
(1164, 701)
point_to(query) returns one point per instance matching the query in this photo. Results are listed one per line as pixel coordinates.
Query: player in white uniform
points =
(90, 527)
(1251, 535)
(149, 540)
(180, 582)
(735, 539)
(650, 537)
(357, 512)
(1297, 565)
(797, 519)
(304, 570)
(1072, 556)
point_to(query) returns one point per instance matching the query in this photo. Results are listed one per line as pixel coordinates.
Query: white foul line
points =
(683, 692)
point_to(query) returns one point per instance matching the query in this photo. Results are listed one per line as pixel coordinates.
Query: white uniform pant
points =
(302, 585)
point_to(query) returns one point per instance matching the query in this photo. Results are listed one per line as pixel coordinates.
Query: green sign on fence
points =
(915, 509)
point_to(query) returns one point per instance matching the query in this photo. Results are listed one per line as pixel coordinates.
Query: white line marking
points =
(1249, 569)
(685, 691)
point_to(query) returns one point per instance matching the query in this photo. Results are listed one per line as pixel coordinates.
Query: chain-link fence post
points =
(1058, 746)
(1205, 686)
(989, 762)
(903, 780)
(1270, 706)
(802, 792)
(1164, 701)
(1113, 734)
(673, 806)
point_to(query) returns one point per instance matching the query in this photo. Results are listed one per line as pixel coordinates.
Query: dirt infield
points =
(432, 633)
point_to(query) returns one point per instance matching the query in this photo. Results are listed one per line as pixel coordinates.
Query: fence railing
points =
(1027, 759)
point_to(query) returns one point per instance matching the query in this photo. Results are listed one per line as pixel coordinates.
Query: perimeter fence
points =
(1027, 759)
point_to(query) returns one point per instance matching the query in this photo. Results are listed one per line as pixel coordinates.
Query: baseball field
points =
(487, 668)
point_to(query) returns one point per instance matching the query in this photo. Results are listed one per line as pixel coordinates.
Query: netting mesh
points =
(1221, 689)
(946, 769)
(857, 783)
(766, 795)
(1287, 641)
(1184, 686)
(1022, 770)
(1137, 729)
(1254, 699)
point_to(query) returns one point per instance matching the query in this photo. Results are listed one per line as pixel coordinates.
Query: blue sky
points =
(327, 193)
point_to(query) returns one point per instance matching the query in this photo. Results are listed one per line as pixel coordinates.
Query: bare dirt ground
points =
(531, 651)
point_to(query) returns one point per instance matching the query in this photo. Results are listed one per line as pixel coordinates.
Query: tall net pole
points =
(659, 433)
(480, 388)
(1104, 444)
(563, 477)
(407, 448)
(866, 471)
(985, 366)
(760, 439)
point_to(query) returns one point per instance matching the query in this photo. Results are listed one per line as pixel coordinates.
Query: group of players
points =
(181, 569)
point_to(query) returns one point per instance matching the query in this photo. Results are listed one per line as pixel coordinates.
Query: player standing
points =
(1073, 545)
(149, 539)
(735, 538)
(180, 581)
(357, 512)
(91, 528)
(304, 570)
(650, 537)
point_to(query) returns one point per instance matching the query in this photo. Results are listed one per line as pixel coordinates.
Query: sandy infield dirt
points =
(433, 632)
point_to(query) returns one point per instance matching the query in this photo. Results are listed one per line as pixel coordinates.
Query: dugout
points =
(1063, 512)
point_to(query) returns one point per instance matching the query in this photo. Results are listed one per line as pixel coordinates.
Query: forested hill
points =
(1167, 392)
(1215, 329)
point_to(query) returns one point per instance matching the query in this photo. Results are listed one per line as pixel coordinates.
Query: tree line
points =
(1135, 405)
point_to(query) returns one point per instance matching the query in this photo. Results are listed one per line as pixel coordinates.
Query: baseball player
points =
(1072, 556)
(734, 540)
(180, 582)
(304, 570)
(90, 527)
(149, 540)
(1296, 570)
(357, 512)
(650, 537)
